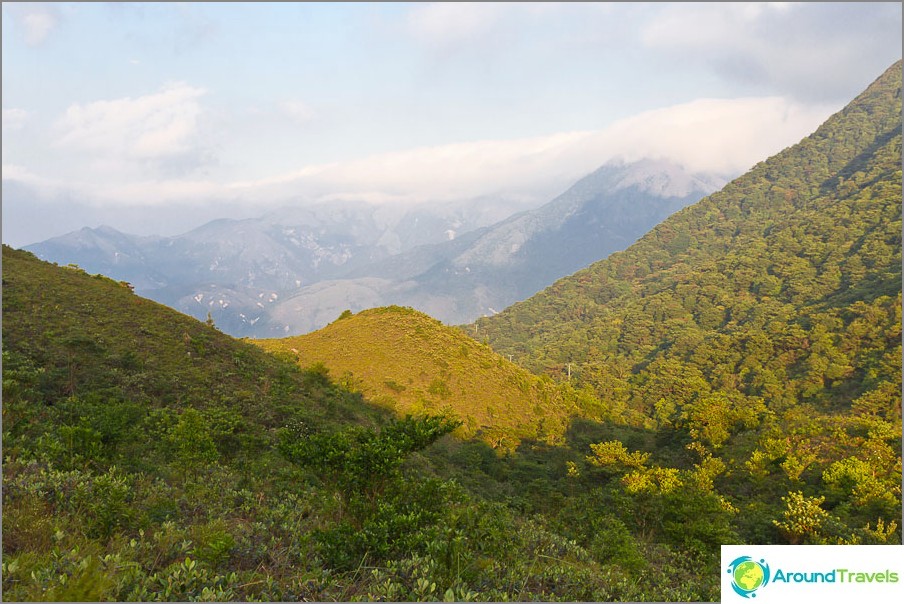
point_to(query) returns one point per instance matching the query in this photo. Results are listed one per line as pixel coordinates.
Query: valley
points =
(729, 371)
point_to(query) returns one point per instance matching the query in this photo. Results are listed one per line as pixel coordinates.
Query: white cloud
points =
(38, 19)
(14, 119)
(297, 111)
(137, 192)
(156, 127)
(720, 135)
(39, 187)
(19, 173)
(726, 136)
(768, 43)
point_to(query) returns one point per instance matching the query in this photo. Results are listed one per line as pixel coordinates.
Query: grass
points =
(411, 363)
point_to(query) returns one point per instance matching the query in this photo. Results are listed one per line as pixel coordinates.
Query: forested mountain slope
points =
(789, 254)
(762, 325)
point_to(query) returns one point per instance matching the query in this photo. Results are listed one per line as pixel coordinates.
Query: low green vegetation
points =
(149, 457)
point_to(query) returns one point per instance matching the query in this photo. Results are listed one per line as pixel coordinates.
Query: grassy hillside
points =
(92, 334)
(411, 363)
(149, 457)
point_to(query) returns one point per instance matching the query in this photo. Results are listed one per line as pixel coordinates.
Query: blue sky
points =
(152, 117)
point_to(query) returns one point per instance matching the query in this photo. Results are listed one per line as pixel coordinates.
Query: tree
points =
(192, 441)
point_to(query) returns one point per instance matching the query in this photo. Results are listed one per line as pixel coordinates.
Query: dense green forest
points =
(761, 327)
(734, 377)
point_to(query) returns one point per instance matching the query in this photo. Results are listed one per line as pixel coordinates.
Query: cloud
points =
(14, 119)
(297, 111)
(20, 174)
(100, 193)
(37, 19)
(813, 51)
(718, 135)
(157, 127)
(725, 136)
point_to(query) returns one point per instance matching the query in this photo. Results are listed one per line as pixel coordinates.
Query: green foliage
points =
(738, 373)
(763, 324)
(361, 461)
(191, 441)
(614, 454)
(156, 470)
(803, 518)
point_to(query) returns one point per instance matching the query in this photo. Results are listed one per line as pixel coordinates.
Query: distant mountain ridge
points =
(602, 213)
(235, 269)
(296, 269)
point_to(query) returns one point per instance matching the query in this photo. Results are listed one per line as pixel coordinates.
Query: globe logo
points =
(748, 575)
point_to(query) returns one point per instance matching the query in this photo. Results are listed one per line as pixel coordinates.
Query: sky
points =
(155, 118)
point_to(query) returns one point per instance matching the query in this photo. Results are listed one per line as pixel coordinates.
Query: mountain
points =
(488, 269)
(602, 213)
(149, 457)
(295, 269)
(411, 363)
(761, 326)
(237, 269)
(738, 370)
(766, 238)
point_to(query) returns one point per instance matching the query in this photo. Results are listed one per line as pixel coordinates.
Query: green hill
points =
(148, 457)
(761, 326)
(85, 333)
(411, 363)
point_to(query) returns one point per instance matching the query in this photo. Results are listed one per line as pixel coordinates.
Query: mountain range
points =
(296, 269)
(734, 376)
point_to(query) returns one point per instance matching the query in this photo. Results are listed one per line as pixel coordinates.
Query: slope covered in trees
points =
(761, 327)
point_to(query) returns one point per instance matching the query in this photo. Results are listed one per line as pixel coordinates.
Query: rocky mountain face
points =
(485, 271)
(295, 269)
